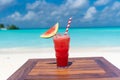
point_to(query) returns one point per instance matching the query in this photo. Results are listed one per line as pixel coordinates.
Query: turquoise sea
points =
(80, 37)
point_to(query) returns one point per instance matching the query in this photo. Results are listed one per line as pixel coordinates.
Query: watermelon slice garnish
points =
(51, 32)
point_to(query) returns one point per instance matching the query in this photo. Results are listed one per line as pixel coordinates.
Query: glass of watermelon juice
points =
(61, 45)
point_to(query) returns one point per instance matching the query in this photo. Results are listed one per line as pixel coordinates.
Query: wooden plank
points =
(89, 68)
(23, 71)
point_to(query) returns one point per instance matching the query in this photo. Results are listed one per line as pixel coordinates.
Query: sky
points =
(45, 13)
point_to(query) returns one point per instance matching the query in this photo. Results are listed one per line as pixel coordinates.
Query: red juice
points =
(61, 44)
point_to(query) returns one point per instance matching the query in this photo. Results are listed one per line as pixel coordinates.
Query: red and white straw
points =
(68, 25)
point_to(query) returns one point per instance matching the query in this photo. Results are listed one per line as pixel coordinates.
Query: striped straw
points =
(68, 25)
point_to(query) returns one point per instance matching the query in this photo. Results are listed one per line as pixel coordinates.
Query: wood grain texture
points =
(89, 68)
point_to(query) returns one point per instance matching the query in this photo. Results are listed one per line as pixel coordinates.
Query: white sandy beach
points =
(11, 59)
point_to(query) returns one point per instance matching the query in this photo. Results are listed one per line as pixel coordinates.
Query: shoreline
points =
(75, 49)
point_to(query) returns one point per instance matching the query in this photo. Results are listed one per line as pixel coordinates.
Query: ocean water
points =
(80, 37)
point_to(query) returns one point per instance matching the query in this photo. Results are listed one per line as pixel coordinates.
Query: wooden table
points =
(89, 68)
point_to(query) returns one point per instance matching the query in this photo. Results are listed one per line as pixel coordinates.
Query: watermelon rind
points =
(52, 33)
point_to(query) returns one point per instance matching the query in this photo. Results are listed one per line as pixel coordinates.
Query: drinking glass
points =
(61, 45)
